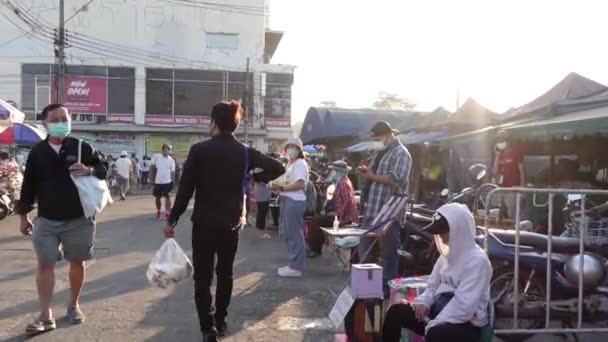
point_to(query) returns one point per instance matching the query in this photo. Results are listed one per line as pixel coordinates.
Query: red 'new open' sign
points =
(84, 94)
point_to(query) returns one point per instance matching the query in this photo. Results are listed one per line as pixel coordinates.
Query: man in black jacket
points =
(217, 170)
(60, 221)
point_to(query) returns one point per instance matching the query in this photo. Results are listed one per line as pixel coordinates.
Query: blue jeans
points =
(292, 222)
(388, 245)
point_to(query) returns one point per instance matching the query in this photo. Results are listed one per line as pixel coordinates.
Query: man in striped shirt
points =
(387, 176)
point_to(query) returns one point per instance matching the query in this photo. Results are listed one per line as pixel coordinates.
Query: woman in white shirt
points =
(293, 207)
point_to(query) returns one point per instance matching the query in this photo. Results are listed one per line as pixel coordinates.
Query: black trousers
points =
(402, 316)
(260, 220)
(209, 242)
(317, 238)
(275, 212)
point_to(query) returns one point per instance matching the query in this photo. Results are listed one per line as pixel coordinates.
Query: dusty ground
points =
(121, 306)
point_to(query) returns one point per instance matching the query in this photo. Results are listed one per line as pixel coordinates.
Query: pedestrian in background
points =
(162, 173)
(134, 179)
(145, 171)
(215, 172)
(262, 194)
(293, 208)
(60, 221)
(124, 174)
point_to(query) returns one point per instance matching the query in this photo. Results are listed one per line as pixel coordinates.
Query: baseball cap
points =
(439, 225)
(382, 128)
(123, 153)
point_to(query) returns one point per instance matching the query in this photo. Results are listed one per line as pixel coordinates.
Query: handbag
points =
(93, 192)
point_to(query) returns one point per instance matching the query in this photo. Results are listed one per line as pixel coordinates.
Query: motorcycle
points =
(7, 205)
(532, 291)
(418, 253)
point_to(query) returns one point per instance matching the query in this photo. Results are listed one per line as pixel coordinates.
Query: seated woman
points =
(454, 307)
(344, 204)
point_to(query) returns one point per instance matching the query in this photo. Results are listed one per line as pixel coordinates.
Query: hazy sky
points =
(503, 53)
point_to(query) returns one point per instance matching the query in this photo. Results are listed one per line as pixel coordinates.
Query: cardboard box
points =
(366, 281)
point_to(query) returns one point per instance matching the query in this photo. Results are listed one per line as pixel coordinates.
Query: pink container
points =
(342, 338)
(366, 281)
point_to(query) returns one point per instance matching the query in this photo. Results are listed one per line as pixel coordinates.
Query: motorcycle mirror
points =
(445, 192)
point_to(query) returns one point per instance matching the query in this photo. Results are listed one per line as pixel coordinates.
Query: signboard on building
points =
(86, 95)
(277, 102)
(272, 122)
(177, 120)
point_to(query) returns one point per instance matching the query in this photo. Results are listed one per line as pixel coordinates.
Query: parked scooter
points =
(565, 271)
(7, 205)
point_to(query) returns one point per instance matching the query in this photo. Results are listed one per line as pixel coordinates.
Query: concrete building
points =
(144, 72)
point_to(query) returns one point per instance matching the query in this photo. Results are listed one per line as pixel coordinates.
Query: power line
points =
(12, 40)
(254, 11)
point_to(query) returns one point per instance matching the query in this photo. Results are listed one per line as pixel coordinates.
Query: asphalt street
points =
(121, 306)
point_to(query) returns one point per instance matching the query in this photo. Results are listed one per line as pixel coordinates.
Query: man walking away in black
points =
(215, 172)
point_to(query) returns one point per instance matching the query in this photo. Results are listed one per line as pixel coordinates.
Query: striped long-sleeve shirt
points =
(396, 163)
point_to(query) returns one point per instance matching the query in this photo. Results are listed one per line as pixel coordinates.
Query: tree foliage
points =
(388, 101)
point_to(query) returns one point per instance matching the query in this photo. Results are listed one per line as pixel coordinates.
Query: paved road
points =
(121, 306)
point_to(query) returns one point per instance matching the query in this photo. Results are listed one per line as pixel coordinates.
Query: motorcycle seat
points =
(563, 245)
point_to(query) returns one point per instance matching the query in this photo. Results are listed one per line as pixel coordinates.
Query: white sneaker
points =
(289, 272)
(283, 268)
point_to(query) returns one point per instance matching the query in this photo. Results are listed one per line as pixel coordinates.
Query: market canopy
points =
(413, 138)
(324, 124)
(583, 123)
(433, 119)
(22, 135)
(572, 87)
(472, 114)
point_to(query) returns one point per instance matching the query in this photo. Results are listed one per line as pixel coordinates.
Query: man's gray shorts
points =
(75, 237)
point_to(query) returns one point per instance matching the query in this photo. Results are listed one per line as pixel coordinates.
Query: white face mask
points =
(293, 153)
(377, 146)
(441, 247)
(501, 145)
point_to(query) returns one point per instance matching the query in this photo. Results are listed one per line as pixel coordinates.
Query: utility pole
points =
(60, 54)
(246, 103)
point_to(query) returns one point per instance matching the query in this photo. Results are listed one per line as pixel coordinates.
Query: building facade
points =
(143, 72)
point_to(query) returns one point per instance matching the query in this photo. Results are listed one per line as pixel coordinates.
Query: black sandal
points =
(39, 326)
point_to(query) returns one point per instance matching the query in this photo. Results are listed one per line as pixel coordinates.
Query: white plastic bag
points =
(169, 266)
(93, 192)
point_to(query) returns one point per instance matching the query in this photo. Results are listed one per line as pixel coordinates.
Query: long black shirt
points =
(47, 179)
(215, 170)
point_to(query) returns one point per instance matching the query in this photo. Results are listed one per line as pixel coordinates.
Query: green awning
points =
(583, 123)
(469, 137)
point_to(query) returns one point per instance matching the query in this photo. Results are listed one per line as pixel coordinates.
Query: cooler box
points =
(407, 289)
(341, 338)
(366, 281)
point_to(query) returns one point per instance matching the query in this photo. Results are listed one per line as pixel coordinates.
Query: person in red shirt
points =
(344, 208)
(508, 169)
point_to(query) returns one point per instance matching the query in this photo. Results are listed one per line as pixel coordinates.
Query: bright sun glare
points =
(503, 53)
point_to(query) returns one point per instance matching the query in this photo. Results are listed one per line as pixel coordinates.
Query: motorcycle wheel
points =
(501, 292)
(3, 212)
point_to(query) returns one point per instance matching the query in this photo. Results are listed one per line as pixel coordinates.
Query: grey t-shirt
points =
(261, 192)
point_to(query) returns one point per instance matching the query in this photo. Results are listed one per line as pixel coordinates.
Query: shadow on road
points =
(262, 303)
